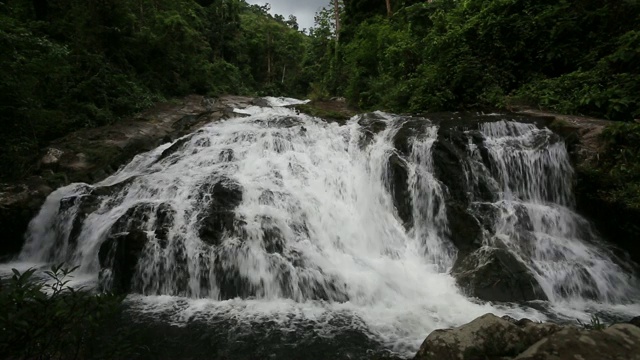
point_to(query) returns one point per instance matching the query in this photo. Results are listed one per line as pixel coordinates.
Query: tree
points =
(336, 14)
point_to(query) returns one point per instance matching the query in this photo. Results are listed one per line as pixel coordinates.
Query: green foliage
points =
(617, 171)
(70, 64)
(48, 319)
(575, 56)
(594, 324)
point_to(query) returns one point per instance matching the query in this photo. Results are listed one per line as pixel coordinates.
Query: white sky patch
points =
(304, 10)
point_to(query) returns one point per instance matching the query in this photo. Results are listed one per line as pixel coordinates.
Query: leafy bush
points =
(618, 168)
(48, 319)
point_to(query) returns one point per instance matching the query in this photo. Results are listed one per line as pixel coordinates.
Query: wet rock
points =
(398, 184)
(449, 156)
(222, 198)
(51, 157)
(635, 321)
(267, 197)
(273, 240)
(178, 145)
(18, 205)
(121, 251)
(118, 257)
(83, 205)
(226, 155)
(487, 337)
(285, 122)
(494, 274)
(371, 124)
(165, 215)
(410, 129)
(188, 121)
(231, 282)
(491, 337)
(464, 229)
(262, 102)
(619, 341)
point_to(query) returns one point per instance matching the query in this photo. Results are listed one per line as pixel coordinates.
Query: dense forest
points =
(68, 64)
(578, 56)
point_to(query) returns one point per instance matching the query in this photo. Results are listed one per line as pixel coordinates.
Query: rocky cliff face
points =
(491, 337)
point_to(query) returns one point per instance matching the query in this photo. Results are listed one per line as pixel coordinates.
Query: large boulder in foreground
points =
(487, 337)
(491, 337)
(620, 341)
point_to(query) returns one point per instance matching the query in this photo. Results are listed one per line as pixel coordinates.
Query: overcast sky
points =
(304, 10)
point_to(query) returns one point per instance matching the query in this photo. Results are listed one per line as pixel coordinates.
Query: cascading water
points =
(532, 180)
(278, 215)
(429, 214)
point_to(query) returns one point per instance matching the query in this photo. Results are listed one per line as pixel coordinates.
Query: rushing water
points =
(534, 217)
(314, 234)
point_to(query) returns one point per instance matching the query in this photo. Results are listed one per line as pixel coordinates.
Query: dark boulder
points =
(178, 145)
(494, 274)
(18, 205)
(226, 155)
(491, 337)
(487, 337)
(262, 102)
(397, 182)
(410, 129)
(219, 216)
(120, 252)
(118, 258)
(230, 281)
(83, 205)
(449, 156)
(272, 237)
(635, 321)
(464, 229)
(371, 124)
(165, 215)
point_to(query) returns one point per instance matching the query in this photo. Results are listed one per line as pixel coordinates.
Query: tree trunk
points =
(336, 11)
(388, 7)
(268, 58)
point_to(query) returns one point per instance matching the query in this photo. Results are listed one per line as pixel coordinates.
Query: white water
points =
(345, 250)
(535, 221)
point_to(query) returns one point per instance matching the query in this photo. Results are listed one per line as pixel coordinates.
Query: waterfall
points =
(534, 218)
(281, 215)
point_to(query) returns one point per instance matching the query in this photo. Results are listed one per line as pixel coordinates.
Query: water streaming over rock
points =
(532, 214)
(284, 214)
